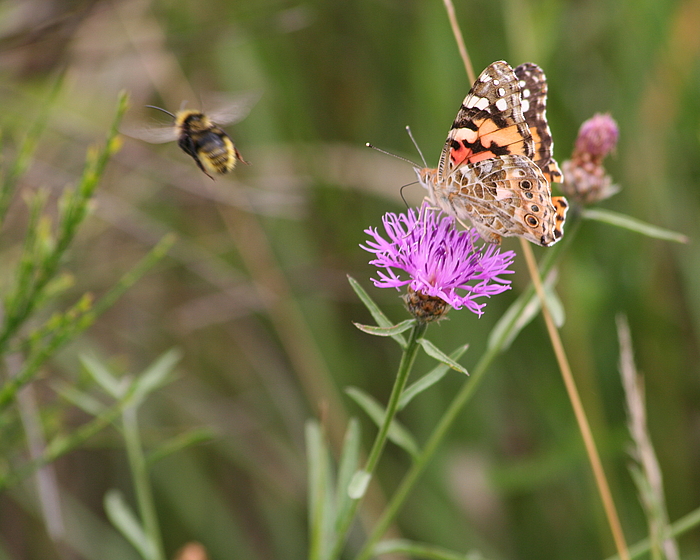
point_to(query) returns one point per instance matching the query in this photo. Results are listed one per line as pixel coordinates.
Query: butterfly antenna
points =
(414, 164)
(410, 135)
(160, 109)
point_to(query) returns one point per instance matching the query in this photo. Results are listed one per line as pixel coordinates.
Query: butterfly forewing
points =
(490, 122)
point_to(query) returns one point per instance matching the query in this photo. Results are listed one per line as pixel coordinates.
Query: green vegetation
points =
(257, 396)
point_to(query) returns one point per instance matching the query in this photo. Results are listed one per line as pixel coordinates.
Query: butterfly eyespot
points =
(528, 195)
(535, 208)
(532, 220)
(525, 185)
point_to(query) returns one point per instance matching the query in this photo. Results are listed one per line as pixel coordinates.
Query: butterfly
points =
(496, 166)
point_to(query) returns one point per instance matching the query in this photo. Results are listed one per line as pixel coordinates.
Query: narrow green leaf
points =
(159, 373)
(429, 379)
(121, 516)
(397, 433)
(523, 310)
(178, 443)
(556, 309)
(373, 308)
(320, 511)
(633, 224)
(413, 549)
(387, 331)
(349, 460)
(434, 352)
(358, 484)
(114, 387)
(83, 401)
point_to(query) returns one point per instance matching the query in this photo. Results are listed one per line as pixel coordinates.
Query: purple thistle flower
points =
(439, 260)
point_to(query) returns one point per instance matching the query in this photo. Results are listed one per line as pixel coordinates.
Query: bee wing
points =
(153, 134)
(228, 110)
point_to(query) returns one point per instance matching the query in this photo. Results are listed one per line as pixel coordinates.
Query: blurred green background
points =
(255, 291)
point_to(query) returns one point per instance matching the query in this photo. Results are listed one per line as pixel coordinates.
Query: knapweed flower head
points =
(585, 176)
(425, 251)
(597, 136)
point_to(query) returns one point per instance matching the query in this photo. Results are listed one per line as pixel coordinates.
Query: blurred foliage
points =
(255, 292)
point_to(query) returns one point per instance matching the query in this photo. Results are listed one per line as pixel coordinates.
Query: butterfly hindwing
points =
(533, 91)
(506, 195)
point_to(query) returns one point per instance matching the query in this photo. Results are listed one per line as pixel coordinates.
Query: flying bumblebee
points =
(200, 135)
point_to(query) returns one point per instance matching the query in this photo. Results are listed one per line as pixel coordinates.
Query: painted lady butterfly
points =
(497, 165)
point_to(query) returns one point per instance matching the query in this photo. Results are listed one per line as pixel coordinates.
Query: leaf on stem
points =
(397, 433)
(632, 224)
(358, 484)
(349, 460)
(429, 379)
(386, 331)
(178, 443)
(373, 308)
(522, 311)
(319, 499)
(124, 519)
(159, 373)
(434, 352)
(87, 403)
(114, 387)
(404, 547)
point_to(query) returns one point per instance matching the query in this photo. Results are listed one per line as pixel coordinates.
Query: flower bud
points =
(597, 136)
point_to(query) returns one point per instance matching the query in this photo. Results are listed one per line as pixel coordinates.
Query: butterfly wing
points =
(490, 122)
(503, 197)
(533, 90)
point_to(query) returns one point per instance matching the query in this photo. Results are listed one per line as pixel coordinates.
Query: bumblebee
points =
(200, 136)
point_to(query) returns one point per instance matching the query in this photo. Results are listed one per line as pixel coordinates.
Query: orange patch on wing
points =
(481, 156)
(458, 155)
(503, 136)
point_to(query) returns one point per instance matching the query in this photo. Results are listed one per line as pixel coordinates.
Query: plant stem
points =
(142, 484)
(579, 412)
(405, 366)
(683, 525)
(461, 399)
(424, 458)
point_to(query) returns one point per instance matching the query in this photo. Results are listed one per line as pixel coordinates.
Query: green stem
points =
(683, 525)
(142, 484)
(452, 412)
(407, 360)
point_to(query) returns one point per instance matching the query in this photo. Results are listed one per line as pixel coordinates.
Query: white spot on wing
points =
(501, 92)
(525, 105)
(525, 93)
(482, 103)
(485, 78)
(501, 104)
